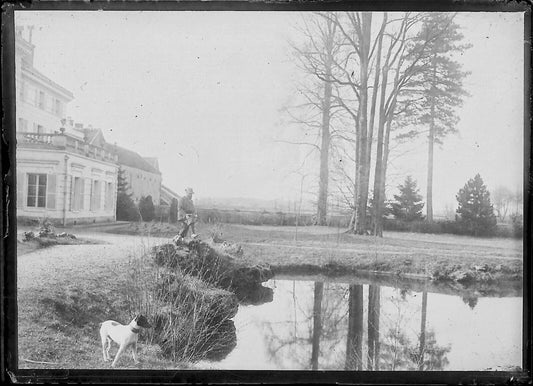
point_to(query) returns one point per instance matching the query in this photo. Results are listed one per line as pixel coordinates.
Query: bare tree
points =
(379, 81)
(502, 200)
(315, 56)
(387, 63)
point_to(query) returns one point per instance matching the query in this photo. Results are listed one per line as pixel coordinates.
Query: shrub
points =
(46, 228)
(162, 213)
(146, 208)
(191, 317)
(173, 214)
(434, 227)
(518, 225)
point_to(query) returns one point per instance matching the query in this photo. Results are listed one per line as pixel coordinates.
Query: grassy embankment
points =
(331, 251)
(66, 291)
(63, 296)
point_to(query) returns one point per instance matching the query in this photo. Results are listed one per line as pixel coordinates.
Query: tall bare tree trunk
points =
(431, 143)
(322, 207)
(375, 91)
(386, 151)
(364, 168)
(378, 174)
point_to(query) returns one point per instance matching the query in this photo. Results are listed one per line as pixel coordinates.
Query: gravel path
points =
(41, 267)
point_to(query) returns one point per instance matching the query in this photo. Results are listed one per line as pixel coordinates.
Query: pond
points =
(308, 323)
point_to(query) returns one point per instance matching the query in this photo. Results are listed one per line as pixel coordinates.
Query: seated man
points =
(187, 214)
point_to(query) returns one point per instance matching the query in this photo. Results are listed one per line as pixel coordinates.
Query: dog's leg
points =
(119, 353)
(134, 351)
(104, 342)
(108, 347)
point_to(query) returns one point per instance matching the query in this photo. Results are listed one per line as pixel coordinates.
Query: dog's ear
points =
(143, 322)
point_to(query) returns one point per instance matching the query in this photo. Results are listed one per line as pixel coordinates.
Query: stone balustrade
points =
(67, 142)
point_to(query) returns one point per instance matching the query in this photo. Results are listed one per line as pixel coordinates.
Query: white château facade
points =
(60, 174)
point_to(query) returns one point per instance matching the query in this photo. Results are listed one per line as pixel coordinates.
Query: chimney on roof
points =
(19, 29)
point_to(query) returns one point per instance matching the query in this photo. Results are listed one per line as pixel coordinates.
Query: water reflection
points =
(345, 326)
(393, 351)
(254, 295)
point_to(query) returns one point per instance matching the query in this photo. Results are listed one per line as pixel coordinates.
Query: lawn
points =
(330, 250)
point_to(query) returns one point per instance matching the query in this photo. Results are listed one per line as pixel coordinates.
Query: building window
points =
(36, 190)
(22, 93)
(58, 108)
(109, 194)
(40, 129)
(77, 189)
(95, 197)
(23, 125)
(41, 100)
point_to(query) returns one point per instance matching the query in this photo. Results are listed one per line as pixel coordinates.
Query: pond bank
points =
(441, 258)
(194, 289)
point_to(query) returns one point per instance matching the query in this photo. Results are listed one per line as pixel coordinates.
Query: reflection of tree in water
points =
(316, 335)
(471, 300)
(314, 341)
(400, 353)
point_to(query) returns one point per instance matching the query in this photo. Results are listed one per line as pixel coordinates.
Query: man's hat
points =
(189, 190)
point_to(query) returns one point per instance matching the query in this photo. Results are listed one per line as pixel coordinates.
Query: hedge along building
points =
(63, 173)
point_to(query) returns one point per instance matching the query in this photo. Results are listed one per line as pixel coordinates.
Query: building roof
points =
(132, 159)
(94, 136)
(152, 161)
(167, 195)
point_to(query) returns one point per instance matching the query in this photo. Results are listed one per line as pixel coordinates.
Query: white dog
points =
(124, 336)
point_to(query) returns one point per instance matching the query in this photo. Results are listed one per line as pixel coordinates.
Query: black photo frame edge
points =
(9, 321)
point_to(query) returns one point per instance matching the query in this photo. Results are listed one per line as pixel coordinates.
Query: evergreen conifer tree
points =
(408, 205)
(126, 209)
(442, 78)
(475, 212)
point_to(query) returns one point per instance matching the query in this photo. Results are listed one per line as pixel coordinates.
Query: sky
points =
(203, 92)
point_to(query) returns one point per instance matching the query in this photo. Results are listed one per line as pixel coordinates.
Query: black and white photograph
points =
(270, 190)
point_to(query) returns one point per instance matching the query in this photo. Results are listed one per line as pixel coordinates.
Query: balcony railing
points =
(67, 142)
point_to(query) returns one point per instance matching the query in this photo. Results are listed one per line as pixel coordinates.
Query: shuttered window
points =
(109, 195)
(96, 196)
(51, 191)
